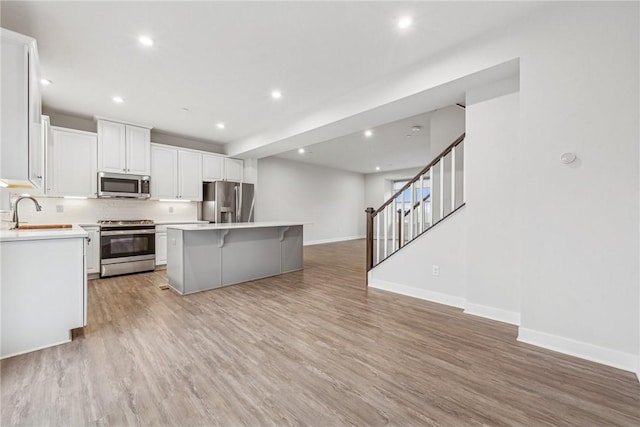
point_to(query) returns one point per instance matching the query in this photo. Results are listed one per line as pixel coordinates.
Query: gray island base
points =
(208, 256)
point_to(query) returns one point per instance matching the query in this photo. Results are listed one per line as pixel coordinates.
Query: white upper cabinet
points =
(212, 167)
(123, 148)
(73, 163)
(220, 168)
(175, 174)
(138, 150)
(164, 172)
(21, 143)
(190, 175)
(233, 169)
(112, 147)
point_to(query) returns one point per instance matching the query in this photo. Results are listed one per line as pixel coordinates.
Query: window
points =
(403, 201)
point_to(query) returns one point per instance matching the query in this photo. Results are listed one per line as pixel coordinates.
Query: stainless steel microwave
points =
(123, 185)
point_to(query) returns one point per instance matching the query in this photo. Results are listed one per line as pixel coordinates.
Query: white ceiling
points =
(222, 59)
(388, 148)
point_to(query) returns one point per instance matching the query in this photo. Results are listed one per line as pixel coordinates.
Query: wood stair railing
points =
(435, 193)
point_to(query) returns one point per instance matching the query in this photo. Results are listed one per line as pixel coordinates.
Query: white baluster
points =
(441, 189)
(378, 238)
(386, 227)
(413, 198)
(393, 226)
(431, 196)
(421, 211)
(463, 168)
(453, 179)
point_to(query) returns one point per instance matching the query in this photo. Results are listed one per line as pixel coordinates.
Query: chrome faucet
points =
(15, 210)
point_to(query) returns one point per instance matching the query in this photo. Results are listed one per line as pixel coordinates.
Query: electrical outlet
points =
(60, 208)
(170, 209)
(435, 270)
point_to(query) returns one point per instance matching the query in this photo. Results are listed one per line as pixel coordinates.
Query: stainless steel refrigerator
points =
(227, 201)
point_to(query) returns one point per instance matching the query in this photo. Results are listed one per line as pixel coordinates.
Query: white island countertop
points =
(201, 257)
(236, 225)
(46, 234)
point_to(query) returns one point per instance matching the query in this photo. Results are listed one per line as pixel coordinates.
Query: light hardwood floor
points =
(307, 348)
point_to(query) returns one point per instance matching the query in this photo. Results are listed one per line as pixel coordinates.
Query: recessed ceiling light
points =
(45, 82)
(276, 94)
(404, 22)
(220, 125)
(185, 109)
(300, 150)
(368, 133)
(416, 128)
(145, 40)
(118, 99)
(377, 168)
(408, 135)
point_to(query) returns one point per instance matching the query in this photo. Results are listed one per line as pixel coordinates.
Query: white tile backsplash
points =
(60, 210)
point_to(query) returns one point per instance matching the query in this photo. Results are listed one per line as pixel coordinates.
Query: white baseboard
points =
(511, 317)
(594, 353)
(333, 240)
(424, 294)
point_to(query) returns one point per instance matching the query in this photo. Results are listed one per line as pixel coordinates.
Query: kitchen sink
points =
(43, 226)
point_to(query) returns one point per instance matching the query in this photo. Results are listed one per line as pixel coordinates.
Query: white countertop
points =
(189, 221)
(204, 227)
(89, 224)
(55, 233)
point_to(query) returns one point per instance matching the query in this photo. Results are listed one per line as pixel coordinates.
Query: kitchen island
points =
(208, 256)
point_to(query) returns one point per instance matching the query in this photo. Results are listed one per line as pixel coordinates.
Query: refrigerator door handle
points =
(238, 204)
(250, 218)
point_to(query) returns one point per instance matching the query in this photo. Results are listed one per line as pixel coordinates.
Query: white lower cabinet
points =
(41, 302)
(73, 164)
(161, 246)
(175, 174)
(93, 249)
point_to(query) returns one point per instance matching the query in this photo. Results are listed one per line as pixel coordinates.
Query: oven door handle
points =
(129, 232)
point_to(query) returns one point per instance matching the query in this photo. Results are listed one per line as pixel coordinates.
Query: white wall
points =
(579, 92)
(332, 200)
(250, 173)
(446, 125)
(410, 271)
(494, 208)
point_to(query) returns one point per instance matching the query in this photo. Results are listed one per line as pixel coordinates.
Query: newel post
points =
(369, 212)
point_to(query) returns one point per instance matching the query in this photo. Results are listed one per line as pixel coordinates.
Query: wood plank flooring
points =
(307, 348)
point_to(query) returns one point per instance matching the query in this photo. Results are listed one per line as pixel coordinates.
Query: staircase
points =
(428, 198)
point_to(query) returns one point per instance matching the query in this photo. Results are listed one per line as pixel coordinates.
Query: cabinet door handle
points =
(39, 176)
(88, 239)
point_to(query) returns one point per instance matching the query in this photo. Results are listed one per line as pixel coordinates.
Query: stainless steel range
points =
(127, 246)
